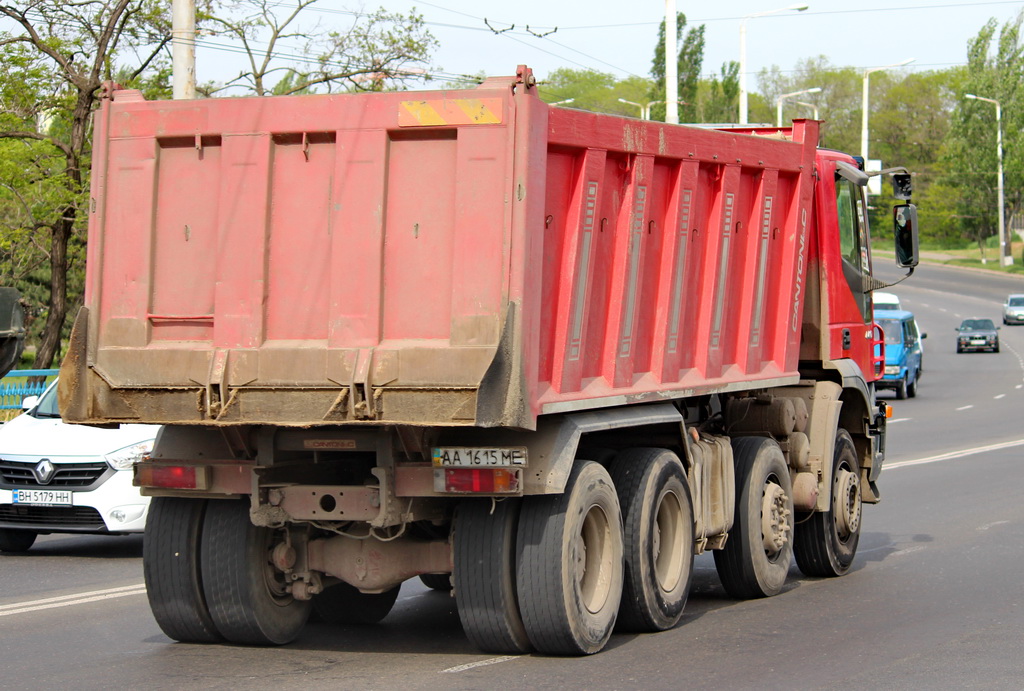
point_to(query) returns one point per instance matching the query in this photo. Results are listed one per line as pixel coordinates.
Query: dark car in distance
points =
(976, 335)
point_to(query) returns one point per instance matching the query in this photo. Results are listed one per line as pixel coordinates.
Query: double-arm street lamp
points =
(783, 97)
(743, 54)
(1005, 258)
(645, 110)
(864, 106)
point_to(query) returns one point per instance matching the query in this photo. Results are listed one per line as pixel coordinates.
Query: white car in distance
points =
(61, 478)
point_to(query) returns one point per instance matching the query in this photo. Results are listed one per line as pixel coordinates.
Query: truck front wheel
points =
(757, 555)
(657, 519)
(826, 541)
(569, 564)
(170, 565)
(247, 595)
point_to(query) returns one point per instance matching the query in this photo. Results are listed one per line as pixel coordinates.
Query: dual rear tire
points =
(616, 546)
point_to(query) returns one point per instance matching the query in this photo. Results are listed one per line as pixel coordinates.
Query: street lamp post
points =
(743, 54)
(864, 106)
(645, 110)
(812, 106)
(783, 97)
(1005, 258)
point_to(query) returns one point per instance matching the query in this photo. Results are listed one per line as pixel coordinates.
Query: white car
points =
(885, 301)
(60, 478)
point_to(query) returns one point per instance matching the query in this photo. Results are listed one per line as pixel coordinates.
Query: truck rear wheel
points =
(826, 541)
(757, 555)
(170, 566)
(570, 564)
(248, 600)
(13, 540)
(485, 573)
(657, 519)
(342, 604)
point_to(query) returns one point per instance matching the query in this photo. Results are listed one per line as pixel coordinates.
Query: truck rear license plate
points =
(478, 457)
(48, 497)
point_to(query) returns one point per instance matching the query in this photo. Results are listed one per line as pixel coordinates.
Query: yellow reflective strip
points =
(478, 111)
(462, 111)
(422, 113)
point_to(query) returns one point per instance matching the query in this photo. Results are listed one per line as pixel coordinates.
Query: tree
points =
(54, 61)
(596, 91)
(995, 65)
(381, 50)
(689, 63)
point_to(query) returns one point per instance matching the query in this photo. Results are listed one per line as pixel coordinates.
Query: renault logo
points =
(44, 471)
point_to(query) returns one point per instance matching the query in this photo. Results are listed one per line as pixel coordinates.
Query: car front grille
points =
(52, 517)
(81, 476)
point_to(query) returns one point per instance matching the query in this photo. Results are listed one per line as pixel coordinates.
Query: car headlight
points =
(123, 459)
(892, 369)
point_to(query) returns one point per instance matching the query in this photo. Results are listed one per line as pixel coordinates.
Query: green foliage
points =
(595, 91)
(968, 160)
(379, 51)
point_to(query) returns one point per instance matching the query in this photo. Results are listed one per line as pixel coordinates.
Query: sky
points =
(618, 37)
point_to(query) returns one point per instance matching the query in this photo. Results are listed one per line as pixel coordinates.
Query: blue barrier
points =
(20, 383)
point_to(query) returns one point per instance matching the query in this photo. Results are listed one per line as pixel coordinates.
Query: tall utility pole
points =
(866, 106)
(671, 64)
(743, 54)
(183, 48)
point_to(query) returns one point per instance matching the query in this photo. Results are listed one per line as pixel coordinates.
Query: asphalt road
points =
(934, 601)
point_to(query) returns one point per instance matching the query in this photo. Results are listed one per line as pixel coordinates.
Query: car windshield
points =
(47, 406)
(892, 330)
(1016, 301)
(977, 325)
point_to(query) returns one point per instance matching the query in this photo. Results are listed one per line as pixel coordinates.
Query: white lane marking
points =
(966, 407)
(1002, 395)
(69, 600)
(1019, 386)
(481, 663)
(992, 525)
(954, 454)
(897, 419)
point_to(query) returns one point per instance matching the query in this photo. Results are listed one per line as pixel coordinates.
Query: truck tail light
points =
(481, 480)
(171, 476)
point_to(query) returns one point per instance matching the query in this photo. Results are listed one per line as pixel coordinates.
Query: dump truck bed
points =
(432, 258)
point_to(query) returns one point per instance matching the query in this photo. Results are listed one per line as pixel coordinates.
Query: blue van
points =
(903, 356)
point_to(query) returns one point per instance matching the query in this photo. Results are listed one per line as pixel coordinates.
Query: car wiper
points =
(46, 415)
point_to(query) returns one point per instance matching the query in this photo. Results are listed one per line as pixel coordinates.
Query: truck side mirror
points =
(905, 228)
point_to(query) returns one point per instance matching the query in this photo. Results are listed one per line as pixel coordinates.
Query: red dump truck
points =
(538, 357)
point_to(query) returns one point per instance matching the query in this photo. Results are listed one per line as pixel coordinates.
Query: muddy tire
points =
(758, 552)
(245, 593)
(170, 566)
(485, 575)
(826, 542)
(657, 522)
(570, 564)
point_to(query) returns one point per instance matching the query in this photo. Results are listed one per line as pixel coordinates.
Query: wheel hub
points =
(775, 515)
(847, 502)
